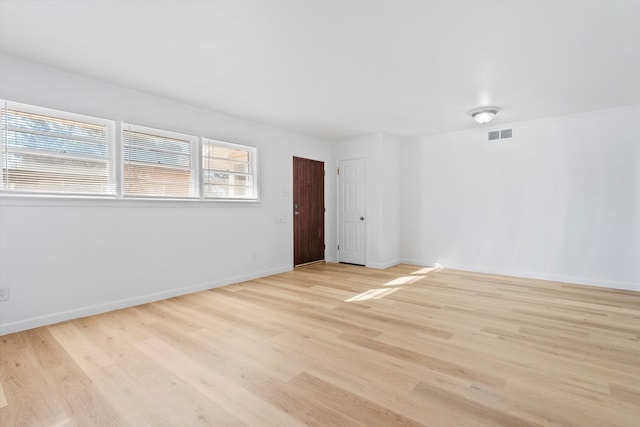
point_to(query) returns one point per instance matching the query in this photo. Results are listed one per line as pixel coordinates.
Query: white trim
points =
(116, 162)
(576, 280)
(110, 159)
(162, 133)
(252, 163)
(197, 161)
(110, 201)
(50, 319)
(157, 132)
(55, 113)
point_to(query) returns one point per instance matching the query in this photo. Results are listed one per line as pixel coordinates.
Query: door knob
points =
(296, 213)
(361, 218)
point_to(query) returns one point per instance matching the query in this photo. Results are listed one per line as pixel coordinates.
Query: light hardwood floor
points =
(332, 344)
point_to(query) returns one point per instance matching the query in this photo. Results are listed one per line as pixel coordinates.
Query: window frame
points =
(115, 162)
(252, 165)
(109, 160)
(193, 157)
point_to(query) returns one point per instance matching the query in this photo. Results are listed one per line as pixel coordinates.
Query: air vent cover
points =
(494, 135)
(506, 133)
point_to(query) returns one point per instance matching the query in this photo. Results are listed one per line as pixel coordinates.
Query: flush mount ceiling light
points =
(484, 114)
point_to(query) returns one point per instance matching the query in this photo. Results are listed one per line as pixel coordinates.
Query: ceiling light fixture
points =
(484, 114)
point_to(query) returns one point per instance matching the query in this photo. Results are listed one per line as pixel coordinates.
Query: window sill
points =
(39, 200)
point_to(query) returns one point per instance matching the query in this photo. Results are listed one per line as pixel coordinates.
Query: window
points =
(158, 163)
(45, 151)
(228, 170)
(49, 151)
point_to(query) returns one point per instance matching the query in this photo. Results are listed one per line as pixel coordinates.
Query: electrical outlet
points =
(4, 294)
(476, 250)
(254, 256)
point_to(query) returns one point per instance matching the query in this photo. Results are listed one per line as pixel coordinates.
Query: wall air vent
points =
(500, 134)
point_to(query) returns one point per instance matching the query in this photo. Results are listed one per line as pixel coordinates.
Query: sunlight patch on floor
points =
(404, 280)
(398, 281)
(372, 294)
(429, 270)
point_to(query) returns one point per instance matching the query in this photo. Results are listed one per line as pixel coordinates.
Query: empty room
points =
(319, 212)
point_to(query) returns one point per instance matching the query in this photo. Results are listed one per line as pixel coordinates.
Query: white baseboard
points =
(577, 280)
(382, 265)
(333, 260)
(50, 319)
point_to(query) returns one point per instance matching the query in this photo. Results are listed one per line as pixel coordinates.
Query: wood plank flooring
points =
(338, 345)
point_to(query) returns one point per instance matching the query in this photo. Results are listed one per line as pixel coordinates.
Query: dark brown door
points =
(308, 211)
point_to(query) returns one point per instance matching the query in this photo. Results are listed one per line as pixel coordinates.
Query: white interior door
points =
(351, 205)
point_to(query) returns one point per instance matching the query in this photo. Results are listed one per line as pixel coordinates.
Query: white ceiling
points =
(336, 68)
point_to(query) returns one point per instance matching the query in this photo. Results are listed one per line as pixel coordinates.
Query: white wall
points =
(64, 258)
(390, 178)
(561, 200)
(381, 154)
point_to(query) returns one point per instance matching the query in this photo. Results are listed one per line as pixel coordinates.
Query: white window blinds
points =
(49, 151)
(158, 163)
(46, 151)
(229, 170)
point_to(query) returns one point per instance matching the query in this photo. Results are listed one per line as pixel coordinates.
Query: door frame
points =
(338, 216)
